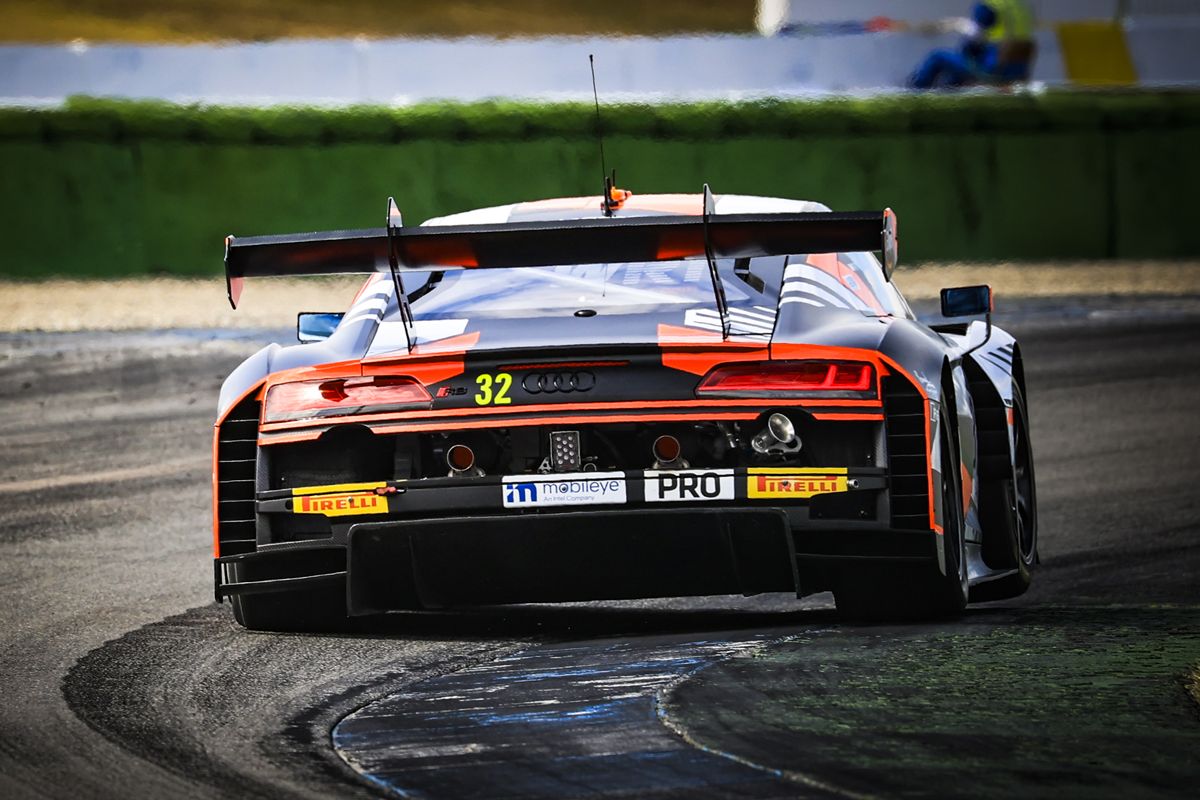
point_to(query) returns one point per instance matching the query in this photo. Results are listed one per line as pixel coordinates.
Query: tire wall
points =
(115, 188)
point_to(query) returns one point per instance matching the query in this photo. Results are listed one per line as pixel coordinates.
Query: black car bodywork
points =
(618, 419)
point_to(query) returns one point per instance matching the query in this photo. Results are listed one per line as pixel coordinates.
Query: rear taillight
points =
(830, 379)
(339, 397)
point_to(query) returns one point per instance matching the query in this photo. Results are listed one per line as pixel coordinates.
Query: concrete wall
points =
(1162, 37)
(403, 71)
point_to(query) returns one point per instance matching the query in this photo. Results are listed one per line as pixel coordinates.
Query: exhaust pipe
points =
(778, 437)
(668, 453)
(461, 460)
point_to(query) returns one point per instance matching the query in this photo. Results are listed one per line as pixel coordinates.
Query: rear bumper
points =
(575, 555)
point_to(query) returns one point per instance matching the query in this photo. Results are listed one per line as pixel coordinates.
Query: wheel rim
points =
(1026, 508)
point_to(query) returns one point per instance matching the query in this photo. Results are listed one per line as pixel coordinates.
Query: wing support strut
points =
(710, 209)
(394, 224)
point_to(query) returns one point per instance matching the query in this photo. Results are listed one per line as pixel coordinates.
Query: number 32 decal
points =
(493, 389)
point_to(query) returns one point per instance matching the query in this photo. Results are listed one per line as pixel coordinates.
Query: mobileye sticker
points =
(683, 486)
(793, 482)
(341, 505)
(568, 489)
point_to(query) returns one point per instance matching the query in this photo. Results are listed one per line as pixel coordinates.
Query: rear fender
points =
(349, 342)
(921, 356)
(999, 360)
(993, 370)
(995, 356)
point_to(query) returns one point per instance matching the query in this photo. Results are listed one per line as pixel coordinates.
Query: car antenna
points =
(606, 202)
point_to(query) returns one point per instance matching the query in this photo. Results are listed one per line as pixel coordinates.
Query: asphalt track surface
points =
(123, 679)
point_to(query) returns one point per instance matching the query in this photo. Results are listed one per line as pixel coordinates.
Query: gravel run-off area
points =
(150, 303)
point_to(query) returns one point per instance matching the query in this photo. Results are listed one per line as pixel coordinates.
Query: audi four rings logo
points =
(551, 382)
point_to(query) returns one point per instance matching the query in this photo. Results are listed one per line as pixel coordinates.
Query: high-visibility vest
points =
(1014, 20)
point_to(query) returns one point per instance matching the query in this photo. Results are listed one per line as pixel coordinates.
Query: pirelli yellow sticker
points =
(794, 482)
(331, 488)
(339, 504)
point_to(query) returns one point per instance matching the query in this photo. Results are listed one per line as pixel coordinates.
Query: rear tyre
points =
(950, 591)
(904, 593)
(1017, 549)
(320, 610)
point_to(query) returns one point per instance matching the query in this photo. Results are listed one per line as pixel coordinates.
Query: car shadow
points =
(766, 615)
(597, 620)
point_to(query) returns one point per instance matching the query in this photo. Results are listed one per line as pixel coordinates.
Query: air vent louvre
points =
(237, 451)
(904, 415)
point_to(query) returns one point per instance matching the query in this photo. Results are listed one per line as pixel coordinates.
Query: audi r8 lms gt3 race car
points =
(619, 397)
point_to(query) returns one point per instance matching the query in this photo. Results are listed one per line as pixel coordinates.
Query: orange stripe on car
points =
(267, 438)
(334, 369)
(426, 370)
(966, 487)
(498, 413)
(697, 351)
(563, 365)
(427, 373)
(676, 334)
(883, 364)
(451, 344)
(216, 507)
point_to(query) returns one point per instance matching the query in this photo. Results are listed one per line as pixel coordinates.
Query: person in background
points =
(998, 49)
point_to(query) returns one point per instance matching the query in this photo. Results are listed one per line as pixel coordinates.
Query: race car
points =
(615, 397)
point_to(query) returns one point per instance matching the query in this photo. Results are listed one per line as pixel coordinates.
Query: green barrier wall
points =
(117, 188)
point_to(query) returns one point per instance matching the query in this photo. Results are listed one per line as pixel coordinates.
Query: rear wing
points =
(558, 242)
